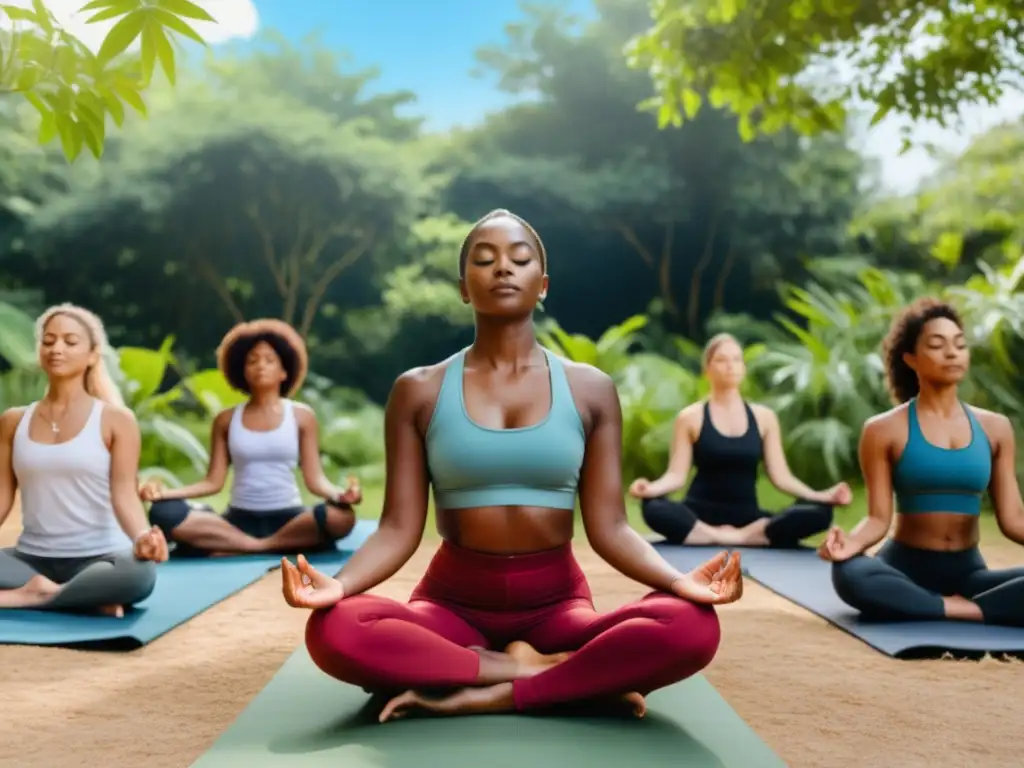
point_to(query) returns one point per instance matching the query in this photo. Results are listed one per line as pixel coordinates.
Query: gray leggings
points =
(88, 582)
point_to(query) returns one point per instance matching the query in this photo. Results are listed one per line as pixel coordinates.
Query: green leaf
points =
(746, 129)
(175, 24)
(178, 438)
(70, 138)
(128, 5)
(17, 341)
(213, 391)
(130, 96)
(47, 128)
(691, 102)
(164, 50)
(14, 13)
(145, 369)
(185, 8)
(104, 15)
(121, 36)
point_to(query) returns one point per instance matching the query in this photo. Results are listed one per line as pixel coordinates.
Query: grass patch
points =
(770, 498)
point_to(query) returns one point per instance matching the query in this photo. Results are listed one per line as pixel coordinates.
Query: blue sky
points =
(426, 46)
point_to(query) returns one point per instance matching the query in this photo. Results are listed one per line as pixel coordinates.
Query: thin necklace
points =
(54, 426)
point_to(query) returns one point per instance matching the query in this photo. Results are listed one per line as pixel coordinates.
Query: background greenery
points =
(272, 183)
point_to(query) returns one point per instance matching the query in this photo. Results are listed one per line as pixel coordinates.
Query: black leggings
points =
(675, 519)
(904, 583)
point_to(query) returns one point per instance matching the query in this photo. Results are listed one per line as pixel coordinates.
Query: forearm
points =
(130, 515)
(320, 486)
(1012, 526)
(205, 487)
(670, 482)
(793, 486)
(630, 554)
(867, 533)
(380, 558)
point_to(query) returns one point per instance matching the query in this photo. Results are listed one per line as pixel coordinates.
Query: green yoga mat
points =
(304, 719)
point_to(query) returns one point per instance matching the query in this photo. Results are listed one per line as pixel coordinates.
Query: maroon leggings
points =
(471, 599)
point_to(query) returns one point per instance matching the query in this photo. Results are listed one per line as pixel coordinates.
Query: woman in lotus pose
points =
(726, 438)
(938, 456)
(507, 434)
(265, 439)
(85, 544)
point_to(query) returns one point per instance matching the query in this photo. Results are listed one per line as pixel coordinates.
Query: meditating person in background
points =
(507, 433)
(85, 544)
(726, 438)
(938, 455)
(264, 438)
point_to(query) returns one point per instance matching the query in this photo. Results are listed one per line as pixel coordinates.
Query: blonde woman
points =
(86, 544)
(726, 438)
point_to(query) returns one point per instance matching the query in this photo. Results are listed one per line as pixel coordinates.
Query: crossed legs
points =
(199, 531)
(421, 645)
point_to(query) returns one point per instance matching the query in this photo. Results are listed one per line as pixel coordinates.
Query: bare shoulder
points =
(996, 425)
(304, 413)
(589, 383)
(9, 421)
(764, 414)
(223, 419)
(886, 425)
(121, 418)
(417, 389)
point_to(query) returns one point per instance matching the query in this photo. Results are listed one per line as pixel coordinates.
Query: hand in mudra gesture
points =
(306, 587)
(151, 545)
(717, 582)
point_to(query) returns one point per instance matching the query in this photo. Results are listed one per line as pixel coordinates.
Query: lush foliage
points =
(803, 64)
(283, 181)
(75, 89)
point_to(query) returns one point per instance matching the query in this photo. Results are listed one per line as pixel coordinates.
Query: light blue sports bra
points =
(928, 478)
(475, 466)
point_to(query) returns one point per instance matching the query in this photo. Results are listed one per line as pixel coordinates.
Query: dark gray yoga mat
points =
(184, 589)
(803, 578)
(305, 719)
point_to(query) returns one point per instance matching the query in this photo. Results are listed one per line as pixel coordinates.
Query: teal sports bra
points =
(932, 479)
(475, 466)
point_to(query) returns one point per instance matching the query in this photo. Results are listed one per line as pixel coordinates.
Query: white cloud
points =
(236, 19)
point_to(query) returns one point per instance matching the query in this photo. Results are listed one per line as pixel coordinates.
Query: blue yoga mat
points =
(184, 589)
(803, 578)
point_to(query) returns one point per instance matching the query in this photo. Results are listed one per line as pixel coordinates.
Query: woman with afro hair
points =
(937, 456)
(264, 439)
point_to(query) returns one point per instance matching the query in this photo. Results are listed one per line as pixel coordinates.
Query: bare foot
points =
(466, 701)
(960, 608)
(117, 611)
(637, 703)
(32, 594)
(532, 659)
(753, 535)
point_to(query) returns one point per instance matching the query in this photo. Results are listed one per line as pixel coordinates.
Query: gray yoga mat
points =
(305, 719)
(803, 578)
(184, 589)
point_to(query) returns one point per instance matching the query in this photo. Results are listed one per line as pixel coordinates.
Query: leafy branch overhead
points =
(75, 89)
(802, 64)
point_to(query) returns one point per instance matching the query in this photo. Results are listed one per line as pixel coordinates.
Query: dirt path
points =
(817, 696)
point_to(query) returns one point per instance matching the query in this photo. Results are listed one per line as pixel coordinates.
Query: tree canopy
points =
(804, 64)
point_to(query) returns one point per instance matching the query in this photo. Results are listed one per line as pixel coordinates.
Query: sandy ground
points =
(819, 697)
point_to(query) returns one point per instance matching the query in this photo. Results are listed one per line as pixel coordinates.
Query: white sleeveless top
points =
(66, 509)
(265, 463)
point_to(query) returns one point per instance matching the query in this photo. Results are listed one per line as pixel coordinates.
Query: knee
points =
(823, 515)
(337, 641)
(138, 578)
(691, 634)
(335, 521)
(654, 513)
(168, 514)
(848, 580)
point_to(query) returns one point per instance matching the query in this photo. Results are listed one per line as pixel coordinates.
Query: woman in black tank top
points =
(725, 439)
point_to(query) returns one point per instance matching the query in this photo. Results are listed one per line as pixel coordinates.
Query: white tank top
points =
(66, 509)
(265, 463)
